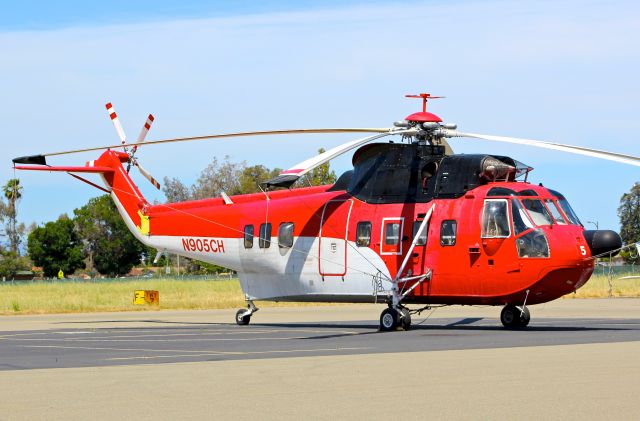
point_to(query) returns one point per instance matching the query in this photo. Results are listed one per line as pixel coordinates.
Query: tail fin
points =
(128, 199)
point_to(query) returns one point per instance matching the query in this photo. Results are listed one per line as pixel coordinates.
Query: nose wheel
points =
(513, 317)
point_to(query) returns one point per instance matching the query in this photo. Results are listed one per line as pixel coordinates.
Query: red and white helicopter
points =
(411, 223)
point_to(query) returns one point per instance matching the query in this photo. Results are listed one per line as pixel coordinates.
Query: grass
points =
(598, 287)
(89, 296)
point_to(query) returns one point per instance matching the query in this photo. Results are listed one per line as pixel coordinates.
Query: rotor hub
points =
(423, 117)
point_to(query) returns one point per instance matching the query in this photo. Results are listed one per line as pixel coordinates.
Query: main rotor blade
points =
(287, 177)
(611, 156)
(147, 175)
(225, 135)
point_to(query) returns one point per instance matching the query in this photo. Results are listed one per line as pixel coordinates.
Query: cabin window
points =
(363, 234)
(448, 233)
(248, 236)
(392, 234)
(555, 211)
(265, 236)
(285, 235)
(422, 240)
(495, 219)
(538, 211)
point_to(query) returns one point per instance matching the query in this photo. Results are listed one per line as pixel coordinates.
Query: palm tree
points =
(12, 192)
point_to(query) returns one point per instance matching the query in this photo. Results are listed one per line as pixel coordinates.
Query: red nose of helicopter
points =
(603, 242)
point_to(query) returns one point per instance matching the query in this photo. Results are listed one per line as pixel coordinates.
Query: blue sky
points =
(559, 71)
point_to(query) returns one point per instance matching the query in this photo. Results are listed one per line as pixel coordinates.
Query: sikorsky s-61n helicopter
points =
(411, 223)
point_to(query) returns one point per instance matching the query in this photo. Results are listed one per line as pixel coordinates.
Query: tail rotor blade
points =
(116, 123)
(148, 176)
(145, 129)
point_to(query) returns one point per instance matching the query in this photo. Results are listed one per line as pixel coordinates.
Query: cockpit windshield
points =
(521, 221)
(538, 211)
(566, 208)
(555, 211)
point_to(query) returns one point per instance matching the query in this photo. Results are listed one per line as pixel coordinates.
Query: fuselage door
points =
(332, 249)
(391, 236)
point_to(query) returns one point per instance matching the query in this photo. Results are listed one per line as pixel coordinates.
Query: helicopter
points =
(411, 224)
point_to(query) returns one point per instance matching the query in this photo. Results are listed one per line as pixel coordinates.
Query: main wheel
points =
(512, 317)
(241, 318)
(405, 316)
(389, 319)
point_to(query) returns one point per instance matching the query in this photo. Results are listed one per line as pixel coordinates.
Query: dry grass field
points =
(117, 295)
(598, 287)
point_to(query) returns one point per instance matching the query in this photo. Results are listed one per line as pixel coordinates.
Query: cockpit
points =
(529, 213)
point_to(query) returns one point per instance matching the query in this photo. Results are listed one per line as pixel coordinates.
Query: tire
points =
(525, 318)
(241, 319)
(389, 320)
(513, 317)
(405, 321)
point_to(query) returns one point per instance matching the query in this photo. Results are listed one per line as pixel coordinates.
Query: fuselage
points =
(322, 244)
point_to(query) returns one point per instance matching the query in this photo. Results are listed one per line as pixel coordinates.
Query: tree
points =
(216, 178)
(110, 246)
(629, 214)
(12, 192)
(320, 175)
(252, 177)
(10, 263)
(175, 191)
(56, 246)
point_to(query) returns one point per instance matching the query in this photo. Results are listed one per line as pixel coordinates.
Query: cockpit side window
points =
(495, 219)
(538, 211)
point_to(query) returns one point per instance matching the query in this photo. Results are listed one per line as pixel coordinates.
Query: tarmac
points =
(579, 359)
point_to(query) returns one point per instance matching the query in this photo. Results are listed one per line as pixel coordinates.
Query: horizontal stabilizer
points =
(65, 169)
(30, 159)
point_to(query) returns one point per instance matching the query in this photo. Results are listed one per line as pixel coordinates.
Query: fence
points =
(616, 271)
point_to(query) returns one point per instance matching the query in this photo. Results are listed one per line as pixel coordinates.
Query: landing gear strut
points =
(243, 316)
(513, 317)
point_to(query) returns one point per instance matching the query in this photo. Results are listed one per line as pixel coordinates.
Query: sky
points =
(556, 71)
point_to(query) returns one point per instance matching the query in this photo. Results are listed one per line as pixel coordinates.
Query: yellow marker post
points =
(60, 274)
(138, 297)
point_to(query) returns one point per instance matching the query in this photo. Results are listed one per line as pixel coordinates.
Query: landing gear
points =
(406, 318)
(513, 317)
(243, 317)
(391, 319)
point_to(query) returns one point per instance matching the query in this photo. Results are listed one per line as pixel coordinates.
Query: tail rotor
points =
(133, 161)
